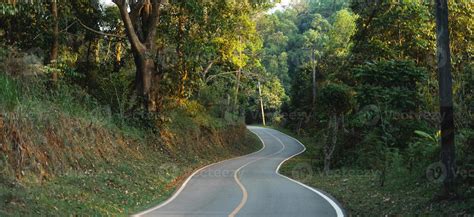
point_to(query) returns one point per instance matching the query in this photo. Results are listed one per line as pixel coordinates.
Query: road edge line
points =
(166, 202)
(336, 207)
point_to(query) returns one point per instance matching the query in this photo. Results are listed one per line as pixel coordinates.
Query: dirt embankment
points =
(41, 156)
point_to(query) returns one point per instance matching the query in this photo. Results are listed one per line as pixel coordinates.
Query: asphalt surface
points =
(249, 186)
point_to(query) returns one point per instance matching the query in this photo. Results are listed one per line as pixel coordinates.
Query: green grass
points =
(360, 193)
(114, 189)
(9, 90)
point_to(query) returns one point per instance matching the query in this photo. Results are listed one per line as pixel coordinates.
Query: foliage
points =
(386, 94)
(389, 83)
(393, 31)
(358, 188)
(273, 94)
(423, 151)
(385, 52)
(335, 99)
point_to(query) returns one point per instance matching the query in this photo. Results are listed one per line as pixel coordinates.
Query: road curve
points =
(249, 186)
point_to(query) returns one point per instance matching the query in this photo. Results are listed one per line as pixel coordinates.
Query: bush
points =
(114, 90)
(211, 97)
(422, 152)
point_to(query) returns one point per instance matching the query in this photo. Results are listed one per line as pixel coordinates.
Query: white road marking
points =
(336, 207)
(189, 179)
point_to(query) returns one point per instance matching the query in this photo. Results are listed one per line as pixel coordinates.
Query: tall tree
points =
(55, 32)
(141, 27)
(336, 101)
(446, 94)
(387, 30)
(316, 41)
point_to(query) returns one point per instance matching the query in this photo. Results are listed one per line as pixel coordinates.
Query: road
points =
(249, 186)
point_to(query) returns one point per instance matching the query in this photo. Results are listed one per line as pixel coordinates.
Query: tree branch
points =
(99, 32)
(154, 19)
(135, 9)
(209, 66)
(212, 77)
(132, 35)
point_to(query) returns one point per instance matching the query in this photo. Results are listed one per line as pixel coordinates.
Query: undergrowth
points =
(361, 194)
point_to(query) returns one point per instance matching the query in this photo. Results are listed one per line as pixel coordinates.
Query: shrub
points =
(422, 152)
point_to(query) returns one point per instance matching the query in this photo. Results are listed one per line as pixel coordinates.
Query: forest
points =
(107, 106)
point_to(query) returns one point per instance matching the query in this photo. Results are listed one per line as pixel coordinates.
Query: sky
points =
(106, 2)
(284, 3)
(280, 6)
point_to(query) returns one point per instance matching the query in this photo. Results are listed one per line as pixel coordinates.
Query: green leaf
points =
(424, 135)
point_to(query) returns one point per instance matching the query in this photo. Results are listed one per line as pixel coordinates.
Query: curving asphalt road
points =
(249, 186)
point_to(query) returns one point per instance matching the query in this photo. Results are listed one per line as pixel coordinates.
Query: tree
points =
(387, 30)
(316, 40)
(446, 94)
(343, 28)
(336, 100)
(384, 89)
(141, 28)
(277, 31)
(55, 32)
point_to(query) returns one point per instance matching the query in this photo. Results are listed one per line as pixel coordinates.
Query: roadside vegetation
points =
(362, 81)
(359, 190)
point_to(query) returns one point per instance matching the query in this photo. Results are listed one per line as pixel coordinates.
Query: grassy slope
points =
(61, 154)
(361, 195)
(120, 187)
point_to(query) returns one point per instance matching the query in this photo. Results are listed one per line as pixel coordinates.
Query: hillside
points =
(62, 154)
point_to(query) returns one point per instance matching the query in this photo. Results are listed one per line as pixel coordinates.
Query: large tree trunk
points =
(141, 19)
(144, 81)
(446, 95)
(53, 55)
